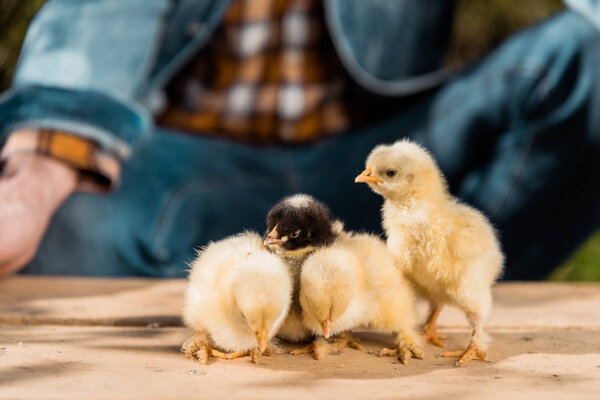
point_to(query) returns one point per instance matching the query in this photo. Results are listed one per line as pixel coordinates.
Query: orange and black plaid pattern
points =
(98, 170)
(269, 74)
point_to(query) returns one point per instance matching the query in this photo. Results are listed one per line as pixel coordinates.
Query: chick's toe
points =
(201, 354)
(316, 348)
(404, 352)
(255, 355)
(321, 347)
(303, 350)
(196, 348)
(431, 335)
(416, 352)
(229, 356)
(339, 342)
(353, 344)
(473, 352)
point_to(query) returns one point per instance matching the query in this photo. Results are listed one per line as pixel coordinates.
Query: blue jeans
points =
(517, 135)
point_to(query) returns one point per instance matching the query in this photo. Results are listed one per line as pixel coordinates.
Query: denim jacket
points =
(97, 67)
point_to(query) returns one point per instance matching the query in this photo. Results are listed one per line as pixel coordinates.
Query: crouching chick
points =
(237, 296)
(354, 283)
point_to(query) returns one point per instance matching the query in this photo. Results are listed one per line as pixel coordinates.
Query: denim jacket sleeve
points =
(588, 8)
(82, 66)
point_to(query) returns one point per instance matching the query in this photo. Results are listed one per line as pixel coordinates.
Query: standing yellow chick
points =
(238, 295)
(448, 250)
(355, 283)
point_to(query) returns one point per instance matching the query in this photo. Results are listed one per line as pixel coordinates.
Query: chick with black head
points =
(297, 226)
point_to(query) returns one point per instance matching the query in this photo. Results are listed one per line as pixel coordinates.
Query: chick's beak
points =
(365, 176)
(261, 339)
(273, 238)
(326, 325)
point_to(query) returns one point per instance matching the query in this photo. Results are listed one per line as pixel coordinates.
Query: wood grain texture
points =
(545, 345)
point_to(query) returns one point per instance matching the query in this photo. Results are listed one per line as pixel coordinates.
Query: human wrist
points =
(97, 171)
(53, 180)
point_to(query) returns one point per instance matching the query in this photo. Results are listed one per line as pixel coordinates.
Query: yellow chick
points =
(237, 296)
(354, 283)
(448, 250)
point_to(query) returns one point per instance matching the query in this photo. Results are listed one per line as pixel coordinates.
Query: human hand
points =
(32, 187)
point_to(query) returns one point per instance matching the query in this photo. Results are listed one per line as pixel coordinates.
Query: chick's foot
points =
(322, 347)
(431, 335)
(255, 355)
(204, 351)
(315, 348)
(473, 352)
(404, 351)
(200, 353)
(269, 351)
(339, 342)
(197, 348)
(229, 356)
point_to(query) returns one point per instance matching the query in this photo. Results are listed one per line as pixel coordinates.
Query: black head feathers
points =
(299, 222)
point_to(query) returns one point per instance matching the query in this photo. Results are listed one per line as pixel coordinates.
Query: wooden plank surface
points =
(139, 302)
(108, 340)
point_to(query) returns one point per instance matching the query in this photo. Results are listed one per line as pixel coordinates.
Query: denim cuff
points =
(114, 125)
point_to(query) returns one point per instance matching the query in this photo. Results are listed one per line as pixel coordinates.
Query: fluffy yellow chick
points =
(354, 283)
(448, 250)
(237, 296)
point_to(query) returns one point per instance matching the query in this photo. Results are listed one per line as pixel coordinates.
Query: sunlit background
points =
(480, 26)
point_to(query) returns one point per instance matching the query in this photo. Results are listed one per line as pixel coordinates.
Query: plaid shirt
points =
(269, 75)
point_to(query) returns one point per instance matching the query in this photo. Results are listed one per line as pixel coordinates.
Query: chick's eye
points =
(295, 234)
(390, 173)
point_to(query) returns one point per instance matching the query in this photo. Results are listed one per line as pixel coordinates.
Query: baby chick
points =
(355, 283)
(448, 250)
(296, 226)
(237, 296)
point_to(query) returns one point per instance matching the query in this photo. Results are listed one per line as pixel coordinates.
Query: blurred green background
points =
(480, 26)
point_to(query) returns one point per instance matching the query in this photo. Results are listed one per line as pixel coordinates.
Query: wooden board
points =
(74, 338)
